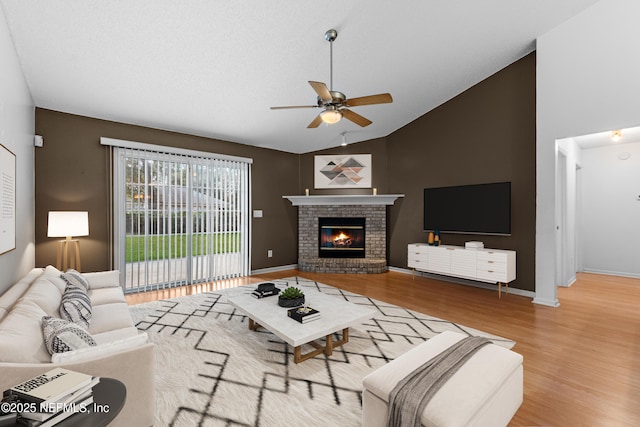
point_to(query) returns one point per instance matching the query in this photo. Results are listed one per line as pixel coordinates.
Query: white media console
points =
(482, 264)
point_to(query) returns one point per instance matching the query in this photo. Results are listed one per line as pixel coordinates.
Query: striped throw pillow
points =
(61, 335)
(76, 306)
(73, 277)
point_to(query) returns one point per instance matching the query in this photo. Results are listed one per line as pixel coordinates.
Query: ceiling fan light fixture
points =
(331, 116)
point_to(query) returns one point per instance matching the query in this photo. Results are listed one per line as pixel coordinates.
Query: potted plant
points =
(291, 297)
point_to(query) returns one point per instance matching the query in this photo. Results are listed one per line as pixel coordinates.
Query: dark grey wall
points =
(485, 134)
(72, 174)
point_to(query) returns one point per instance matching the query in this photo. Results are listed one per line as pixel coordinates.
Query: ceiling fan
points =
(333, 103)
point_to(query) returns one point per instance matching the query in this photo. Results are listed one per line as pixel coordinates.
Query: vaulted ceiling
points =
(214, 68)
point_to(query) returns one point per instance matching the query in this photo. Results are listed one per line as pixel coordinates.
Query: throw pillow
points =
(75, 306)
(61, 335)
(73, 277)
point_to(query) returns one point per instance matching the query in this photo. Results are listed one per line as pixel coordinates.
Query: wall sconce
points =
(68, 224)
(616, 135)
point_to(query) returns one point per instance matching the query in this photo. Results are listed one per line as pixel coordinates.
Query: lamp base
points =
(68, 254)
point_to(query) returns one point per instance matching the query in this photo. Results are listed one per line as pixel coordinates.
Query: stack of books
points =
(49, 398)
(303, 314)
(265, 290)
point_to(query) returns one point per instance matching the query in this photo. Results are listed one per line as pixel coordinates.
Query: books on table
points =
(303, 314)
(51, 386)
(51, 397)
(262, 294)
(265, 290)
(83, 405)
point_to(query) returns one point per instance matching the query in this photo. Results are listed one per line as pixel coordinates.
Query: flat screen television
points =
(472, 209)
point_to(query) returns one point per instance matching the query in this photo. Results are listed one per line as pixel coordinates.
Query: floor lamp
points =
(68, 224)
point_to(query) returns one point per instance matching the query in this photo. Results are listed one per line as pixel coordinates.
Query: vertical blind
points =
(180, 217)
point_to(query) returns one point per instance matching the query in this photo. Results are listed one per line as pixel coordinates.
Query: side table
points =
(109, 396)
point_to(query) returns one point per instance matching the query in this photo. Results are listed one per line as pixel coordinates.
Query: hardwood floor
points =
(581, 360)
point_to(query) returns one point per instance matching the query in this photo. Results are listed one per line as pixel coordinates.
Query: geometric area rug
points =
(211, 370)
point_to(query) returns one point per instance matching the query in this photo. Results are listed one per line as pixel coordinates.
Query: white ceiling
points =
(213, 68)
(601, 139)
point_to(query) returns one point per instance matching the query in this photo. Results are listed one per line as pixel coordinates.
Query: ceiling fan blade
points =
(294, 106)
(322, 90)
(316, 122)
(381, 98)
(355, 117)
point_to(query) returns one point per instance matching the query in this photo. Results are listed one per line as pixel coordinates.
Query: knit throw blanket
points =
(410, 396)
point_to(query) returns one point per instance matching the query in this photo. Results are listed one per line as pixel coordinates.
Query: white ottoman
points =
(485, 391)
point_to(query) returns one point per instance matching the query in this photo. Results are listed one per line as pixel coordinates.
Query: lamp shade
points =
(68, 223)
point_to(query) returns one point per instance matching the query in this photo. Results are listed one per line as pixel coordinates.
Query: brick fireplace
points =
(313, 209)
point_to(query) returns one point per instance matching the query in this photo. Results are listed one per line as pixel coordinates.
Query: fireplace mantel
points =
(344, 199)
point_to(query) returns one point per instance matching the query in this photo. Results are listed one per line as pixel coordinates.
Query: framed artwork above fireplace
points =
(342, 171)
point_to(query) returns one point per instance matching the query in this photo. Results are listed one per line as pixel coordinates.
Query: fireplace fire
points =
(341, 237)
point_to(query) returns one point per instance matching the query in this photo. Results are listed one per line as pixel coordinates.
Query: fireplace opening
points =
(341, 237)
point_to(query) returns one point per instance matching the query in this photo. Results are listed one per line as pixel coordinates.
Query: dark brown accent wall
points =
(72, 174)
(485, 134)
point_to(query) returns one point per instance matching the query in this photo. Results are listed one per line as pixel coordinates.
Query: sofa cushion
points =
(62, 335)
(53, 275)
(76, 306)
(45, 294)
(115, 335)
(72, 277)
(15, 292)
(101, 296)
(108, 317)
(21, 334)
(103, 279)
(101, 350)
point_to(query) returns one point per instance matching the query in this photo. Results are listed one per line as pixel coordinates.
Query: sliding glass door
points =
(179, 218)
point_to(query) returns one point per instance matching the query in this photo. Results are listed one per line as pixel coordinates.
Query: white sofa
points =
(121, 351)
(486, 391)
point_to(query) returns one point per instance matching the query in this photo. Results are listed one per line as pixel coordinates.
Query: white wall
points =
(587, 82)
(17, 124)
(610, 223)
(569, 233)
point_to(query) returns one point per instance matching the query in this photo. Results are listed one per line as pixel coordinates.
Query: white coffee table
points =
(336, 314)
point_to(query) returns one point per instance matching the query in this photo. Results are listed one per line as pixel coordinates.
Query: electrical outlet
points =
(269, 253)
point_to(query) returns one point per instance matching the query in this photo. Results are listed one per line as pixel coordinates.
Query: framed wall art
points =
(342, 171)
(7, 200)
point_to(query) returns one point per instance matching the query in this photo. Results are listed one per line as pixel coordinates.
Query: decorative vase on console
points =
(436, 238)
(430, 239)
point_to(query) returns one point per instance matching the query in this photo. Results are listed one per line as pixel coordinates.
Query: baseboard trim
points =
(274, 269)
(611, 273)
(547, 302)
(459, 281)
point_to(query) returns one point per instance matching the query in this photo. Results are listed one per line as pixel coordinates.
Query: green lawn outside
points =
(160, 246)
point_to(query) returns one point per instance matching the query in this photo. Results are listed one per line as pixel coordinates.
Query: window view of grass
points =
(161, 246)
